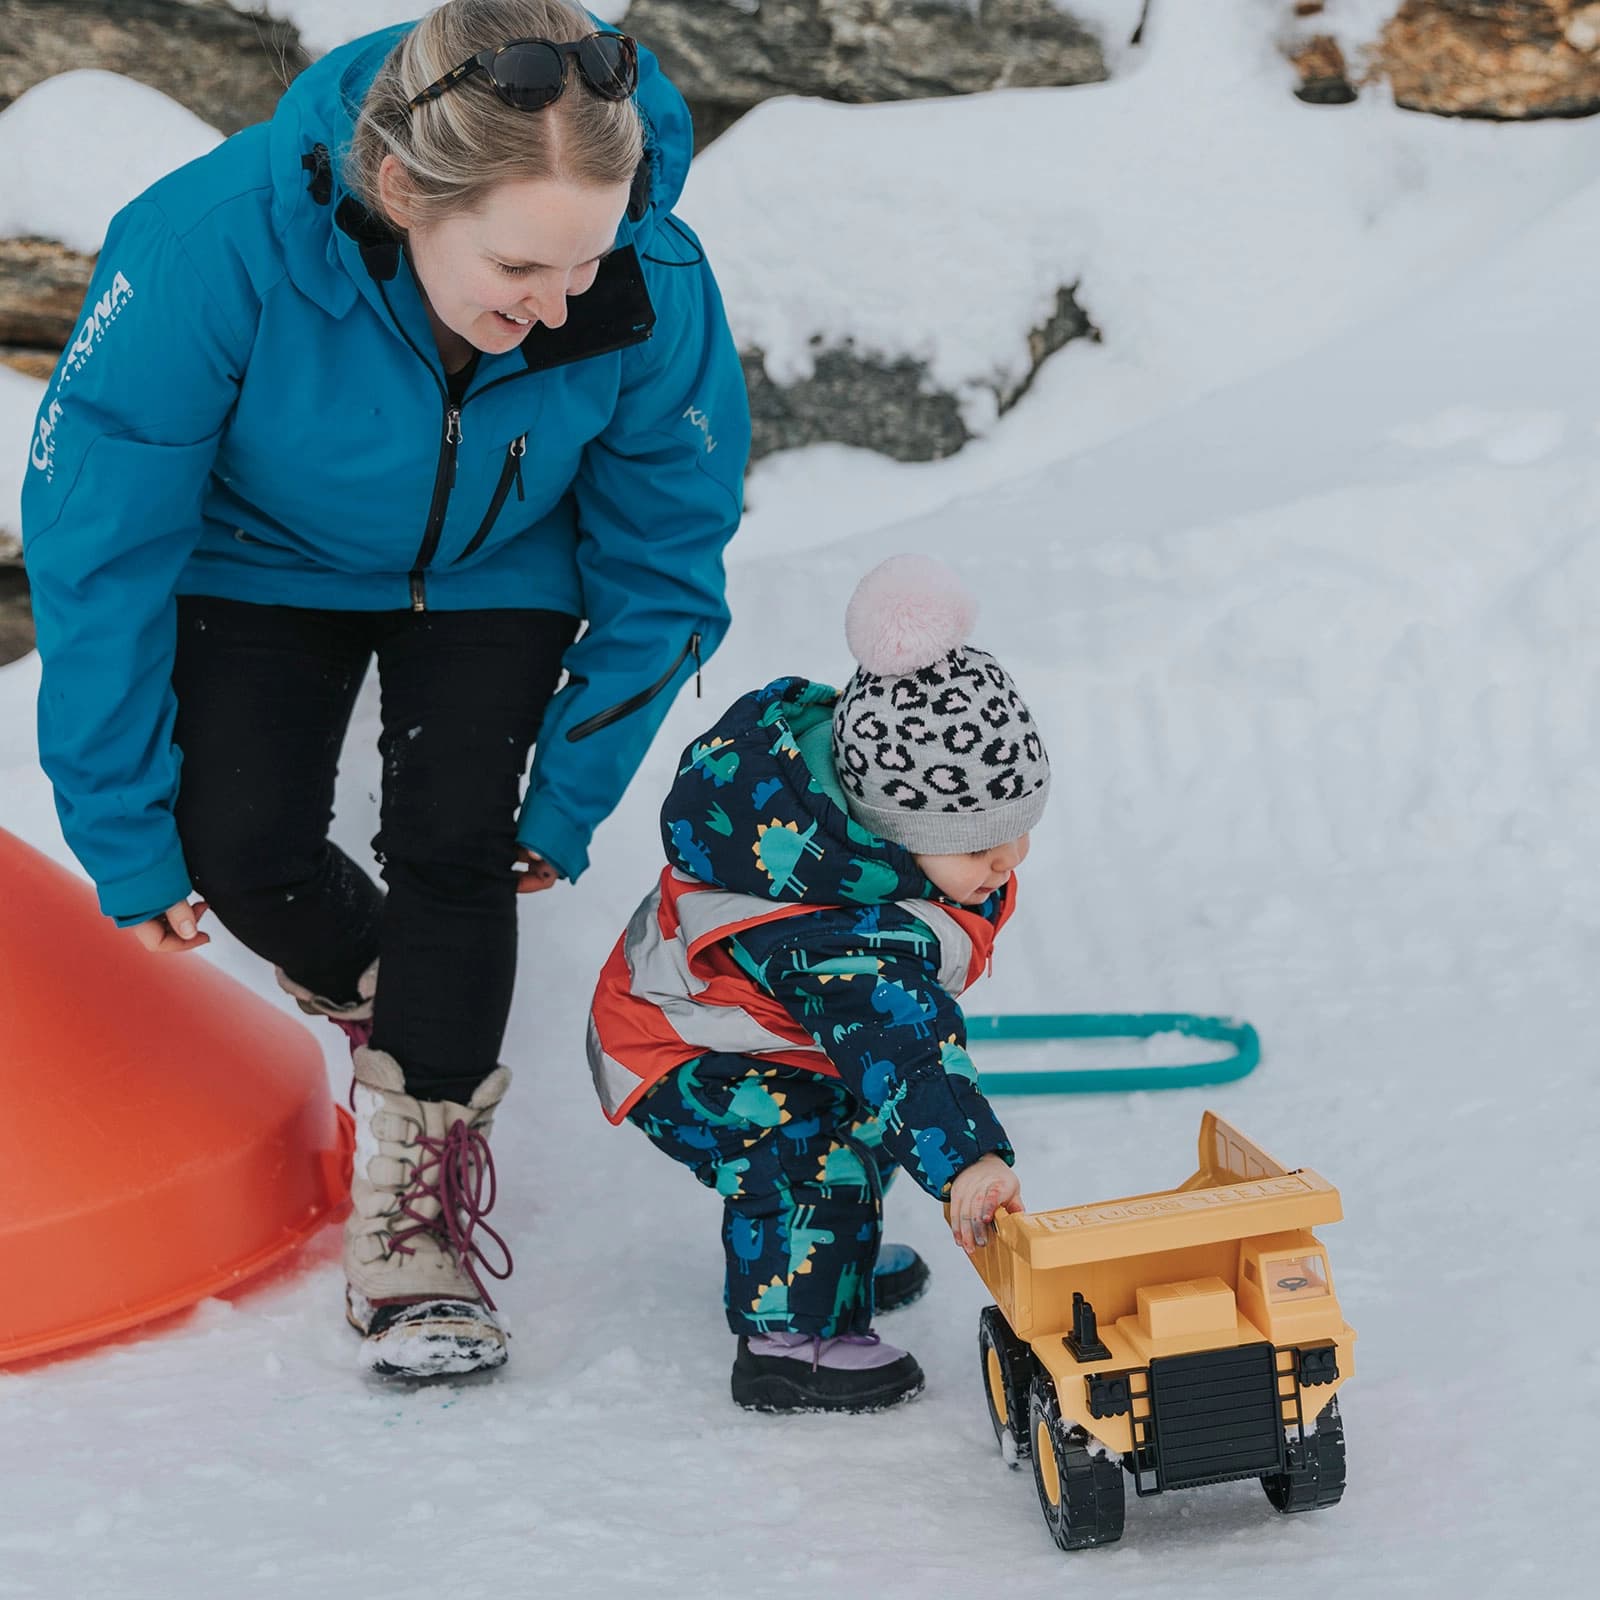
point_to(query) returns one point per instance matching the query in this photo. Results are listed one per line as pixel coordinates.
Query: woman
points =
(420, 370)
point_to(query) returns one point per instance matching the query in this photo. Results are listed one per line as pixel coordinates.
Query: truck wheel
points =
(1316, 1467)
(1079, 1493)
(1008, 1369)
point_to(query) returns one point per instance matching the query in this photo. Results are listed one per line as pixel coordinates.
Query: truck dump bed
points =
(1239, 1192)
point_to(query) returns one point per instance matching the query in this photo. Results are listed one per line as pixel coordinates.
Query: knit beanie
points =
(934, 747)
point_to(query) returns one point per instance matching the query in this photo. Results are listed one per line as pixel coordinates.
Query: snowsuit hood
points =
(749, 812)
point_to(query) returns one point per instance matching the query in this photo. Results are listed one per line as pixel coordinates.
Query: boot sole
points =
(898, 1302)
(442, 1353)
(774, 1395)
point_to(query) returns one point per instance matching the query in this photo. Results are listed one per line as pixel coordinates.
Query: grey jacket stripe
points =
(955, 947)
(658, 972)
(612, 1081)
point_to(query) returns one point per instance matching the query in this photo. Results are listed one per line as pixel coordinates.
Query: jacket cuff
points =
(128, 901)
(548, 833)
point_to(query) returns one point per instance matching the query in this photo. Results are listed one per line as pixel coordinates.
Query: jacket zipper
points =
(512, 470)
(443, 482)
(624, 708)
(446, 476)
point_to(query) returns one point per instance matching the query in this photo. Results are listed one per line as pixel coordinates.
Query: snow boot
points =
(803, 1372)
(900, 1277)
(353, 1020)
(423, 1182)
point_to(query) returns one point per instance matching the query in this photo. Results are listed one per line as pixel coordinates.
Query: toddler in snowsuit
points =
(781, 1013)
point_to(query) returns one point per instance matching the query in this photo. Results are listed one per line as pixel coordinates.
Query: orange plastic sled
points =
(164, 1133)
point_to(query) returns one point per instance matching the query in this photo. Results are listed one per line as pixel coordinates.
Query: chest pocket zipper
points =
(510, 473)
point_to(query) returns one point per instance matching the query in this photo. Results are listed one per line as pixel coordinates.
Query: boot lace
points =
(458, 1172)
(817, 1342)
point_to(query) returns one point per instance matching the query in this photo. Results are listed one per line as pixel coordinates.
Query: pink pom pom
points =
(906, 613)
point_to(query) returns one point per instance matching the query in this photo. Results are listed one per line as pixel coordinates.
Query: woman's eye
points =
(513, 272)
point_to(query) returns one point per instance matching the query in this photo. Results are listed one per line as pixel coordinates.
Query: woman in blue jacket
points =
(421, 370)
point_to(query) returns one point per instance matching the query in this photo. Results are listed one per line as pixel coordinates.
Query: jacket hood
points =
(323, 227)
(750, 813)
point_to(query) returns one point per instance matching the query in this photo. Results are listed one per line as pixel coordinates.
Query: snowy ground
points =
(1314, 649)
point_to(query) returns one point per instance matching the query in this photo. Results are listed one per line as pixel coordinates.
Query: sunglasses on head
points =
(530, 74)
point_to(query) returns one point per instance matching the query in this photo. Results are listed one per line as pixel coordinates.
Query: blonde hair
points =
(458, 147)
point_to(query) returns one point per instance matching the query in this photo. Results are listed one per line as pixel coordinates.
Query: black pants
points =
(265, 695)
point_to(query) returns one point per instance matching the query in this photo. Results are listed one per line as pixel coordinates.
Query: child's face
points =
(970, 879)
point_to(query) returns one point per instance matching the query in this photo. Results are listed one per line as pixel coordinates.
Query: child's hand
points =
(982, 1189)
(177, 928)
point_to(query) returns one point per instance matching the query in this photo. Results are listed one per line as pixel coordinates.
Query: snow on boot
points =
(423, 1182)
(803, 1372)
(353, 1020)
(900, 1277)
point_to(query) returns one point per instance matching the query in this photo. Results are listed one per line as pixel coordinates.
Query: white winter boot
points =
(423, 1182)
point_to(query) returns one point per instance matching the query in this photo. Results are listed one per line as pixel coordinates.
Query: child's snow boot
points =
(353, 1020)
(423, 1181)
(802, 1372)
(900, 1277)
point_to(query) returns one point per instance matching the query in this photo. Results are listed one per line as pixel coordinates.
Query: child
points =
(780, 1014)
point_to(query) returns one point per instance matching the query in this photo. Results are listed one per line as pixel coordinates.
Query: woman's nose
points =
(548, 306)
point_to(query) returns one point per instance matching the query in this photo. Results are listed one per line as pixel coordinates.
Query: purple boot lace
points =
(458, 1172)
(357, 1030)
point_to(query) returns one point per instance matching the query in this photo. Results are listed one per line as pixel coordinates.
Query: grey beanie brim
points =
(953, 833)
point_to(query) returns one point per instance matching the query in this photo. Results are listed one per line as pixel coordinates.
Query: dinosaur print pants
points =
(799, 1163)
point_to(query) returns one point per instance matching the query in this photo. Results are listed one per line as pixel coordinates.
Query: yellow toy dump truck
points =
(1181, 1338)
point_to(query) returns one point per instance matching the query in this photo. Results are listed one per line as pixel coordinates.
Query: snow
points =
(1212, 224)
(1298, 572)
(70, 164)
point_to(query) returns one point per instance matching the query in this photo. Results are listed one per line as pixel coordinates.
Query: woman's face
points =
(490, 274)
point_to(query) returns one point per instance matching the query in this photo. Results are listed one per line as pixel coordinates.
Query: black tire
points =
(1081, 1494)
(1008, 1367)
(1315, 1478)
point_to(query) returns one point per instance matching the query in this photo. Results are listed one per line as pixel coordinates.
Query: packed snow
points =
(1298, 571)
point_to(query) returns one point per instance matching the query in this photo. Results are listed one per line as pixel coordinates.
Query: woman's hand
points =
(535, 874)
(177, 928)
(982, 1189)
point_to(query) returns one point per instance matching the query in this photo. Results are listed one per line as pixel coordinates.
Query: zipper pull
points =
(452, 437)
(694, 646)
(519, 448)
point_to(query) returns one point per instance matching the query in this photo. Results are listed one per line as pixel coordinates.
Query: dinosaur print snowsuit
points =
(781, 1015)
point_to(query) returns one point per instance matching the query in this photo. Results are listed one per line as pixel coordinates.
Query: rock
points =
(224, 65)
(729, 55)
(42, 285)
(16, 619)
(30, 363)
(1324, 78)
(887, 406)
(1511, 60)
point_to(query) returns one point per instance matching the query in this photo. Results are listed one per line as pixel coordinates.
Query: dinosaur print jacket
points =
(783, 929)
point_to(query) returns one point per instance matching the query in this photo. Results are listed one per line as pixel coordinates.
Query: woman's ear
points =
(394, 193)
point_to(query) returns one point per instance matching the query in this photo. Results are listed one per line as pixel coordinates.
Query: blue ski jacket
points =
(253, 407)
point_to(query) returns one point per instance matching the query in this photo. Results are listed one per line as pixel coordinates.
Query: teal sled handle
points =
(1114, 1025)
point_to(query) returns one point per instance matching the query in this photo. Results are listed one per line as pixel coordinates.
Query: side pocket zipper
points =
(623, 708)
